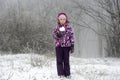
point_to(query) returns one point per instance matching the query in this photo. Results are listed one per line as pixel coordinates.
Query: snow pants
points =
(62, 60)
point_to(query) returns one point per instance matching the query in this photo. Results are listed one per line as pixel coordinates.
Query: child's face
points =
(62, 20)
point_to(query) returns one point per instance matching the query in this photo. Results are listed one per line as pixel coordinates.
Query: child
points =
(64, 42)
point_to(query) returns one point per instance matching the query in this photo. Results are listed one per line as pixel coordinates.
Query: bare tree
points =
(25, 26)
(106, 13)
(112, 7)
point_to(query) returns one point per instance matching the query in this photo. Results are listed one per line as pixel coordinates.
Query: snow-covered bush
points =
(37, 60)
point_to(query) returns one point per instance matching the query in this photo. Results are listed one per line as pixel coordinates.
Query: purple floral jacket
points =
(66, 39)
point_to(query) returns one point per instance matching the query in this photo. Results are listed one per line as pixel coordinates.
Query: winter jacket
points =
(67, 37)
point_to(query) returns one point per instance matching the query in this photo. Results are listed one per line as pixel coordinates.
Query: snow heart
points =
(62, 29)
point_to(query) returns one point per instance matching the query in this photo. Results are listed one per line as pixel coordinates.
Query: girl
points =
(64, 44)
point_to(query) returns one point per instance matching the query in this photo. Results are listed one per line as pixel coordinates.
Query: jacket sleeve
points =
(54, 33)
(71, 35)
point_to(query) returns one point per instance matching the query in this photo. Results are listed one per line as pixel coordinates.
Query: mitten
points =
(58, 35)
(72, 48)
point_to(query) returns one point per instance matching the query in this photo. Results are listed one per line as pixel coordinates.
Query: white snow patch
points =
(18, 67)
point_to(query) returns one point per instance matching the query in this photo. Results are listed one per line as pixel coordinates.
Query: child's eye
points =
(62, 19)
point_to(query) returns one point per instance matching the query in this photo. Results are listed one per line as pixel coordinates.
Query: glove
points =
(58, 35)
(72, 48)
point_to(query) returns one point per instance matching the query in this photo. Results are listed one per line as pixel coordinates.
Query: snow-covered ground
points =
(39, 67)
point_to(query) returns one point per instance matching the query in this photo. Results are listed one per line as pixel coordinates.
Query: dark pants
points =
(62, 57)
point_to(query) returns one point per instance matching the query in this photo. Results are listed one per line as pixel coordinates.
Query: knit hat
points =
(62, 15)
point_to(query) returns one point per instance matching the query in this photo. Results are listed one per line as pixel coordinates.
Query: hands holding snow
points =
(61, 32)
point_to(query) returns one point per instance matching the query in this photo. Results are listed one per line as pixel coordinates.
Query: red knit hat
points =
(64, 15)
